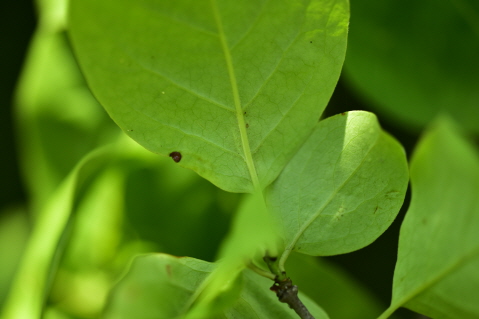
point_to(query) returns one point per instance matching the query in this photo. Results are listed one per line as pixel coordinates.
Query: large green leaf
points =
(234, 86)
(415, 59)
(342, 189)
(161, 286)
(438, 260)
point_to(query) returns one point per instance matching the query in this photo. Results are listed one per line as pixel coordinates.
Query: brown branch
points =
(286, 291)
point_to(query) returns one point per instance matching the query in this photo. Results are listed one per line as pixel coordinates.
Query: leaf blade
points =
(342, 189)
(168, 99)
(436, 271)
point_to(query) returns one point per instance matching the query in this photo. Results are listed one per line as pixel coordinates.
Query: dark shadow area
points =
(17, 22)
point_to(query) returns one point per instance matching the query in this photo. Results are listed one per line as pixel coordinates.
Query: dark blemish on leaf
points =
(344, 113)
(129, 130)
(168, 270)
(310, 41)
(176, 156)
(244, 113)
(377, 207)
(247, 125)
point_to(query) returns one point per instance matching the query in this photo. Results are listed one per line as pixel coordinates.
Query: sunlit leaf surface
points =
(342, 189)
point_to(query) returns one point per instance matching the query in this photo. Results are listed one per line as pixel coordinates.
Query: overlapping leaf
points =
(342, 189)
(161, 286)
(234, 86)
(252, 236)
(438, 260)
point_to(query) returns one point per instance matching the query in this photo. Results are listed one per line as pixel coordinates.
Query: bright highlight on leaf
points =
(342, 189)
(161, 286)
(438, 260)
(234, 86)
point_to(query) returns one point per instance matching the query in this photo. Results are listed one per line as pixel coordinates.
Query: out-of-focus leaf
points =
(176, 209)
(438, 260)
(161, 286)
(234, 86)
(86, 272)
(415, 59)
(26, 298)
(252, 236)
(58, 119)
(342, 189)
(14, 231)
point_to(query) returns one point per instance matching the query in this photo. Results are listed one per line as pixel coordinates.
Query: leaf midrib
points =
(421, 288)
(236, 98)
(290, 247)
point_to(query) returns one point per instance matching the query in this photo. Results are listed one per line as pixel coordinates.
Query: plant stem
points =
(285, 290)
(288, 293)
(261, 272)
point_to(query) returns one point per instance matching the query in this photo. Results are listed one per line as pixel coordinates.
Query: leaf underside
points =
(235, 87)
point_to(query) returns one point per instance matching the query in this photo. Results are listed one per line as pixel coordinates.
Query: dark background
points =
(373, 266)
(17, 22)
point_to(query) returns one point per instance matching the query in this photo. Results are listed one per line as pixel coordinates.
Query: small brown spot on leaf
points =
(176, 156)
(343, 113)
(247, 125)
(168, 270)
(310, 41)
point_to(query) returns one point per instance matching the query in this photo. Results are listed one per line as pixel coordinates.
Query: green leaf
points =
(252, 236)
(14, 231)
(54, 110)
(415, 59)
(438, 260)
(27, 296)
(342, 189)
(234, 86)
(161, 286)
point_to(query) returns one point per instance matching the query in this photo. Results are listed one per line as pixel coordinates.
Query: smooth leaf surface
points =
(234, 86)
(438, 260)
(342, 189)
(160, 286)
(415, 59)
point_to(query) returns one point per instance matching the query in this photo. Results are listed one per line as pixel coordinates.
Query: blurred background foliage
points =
(406, 61)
